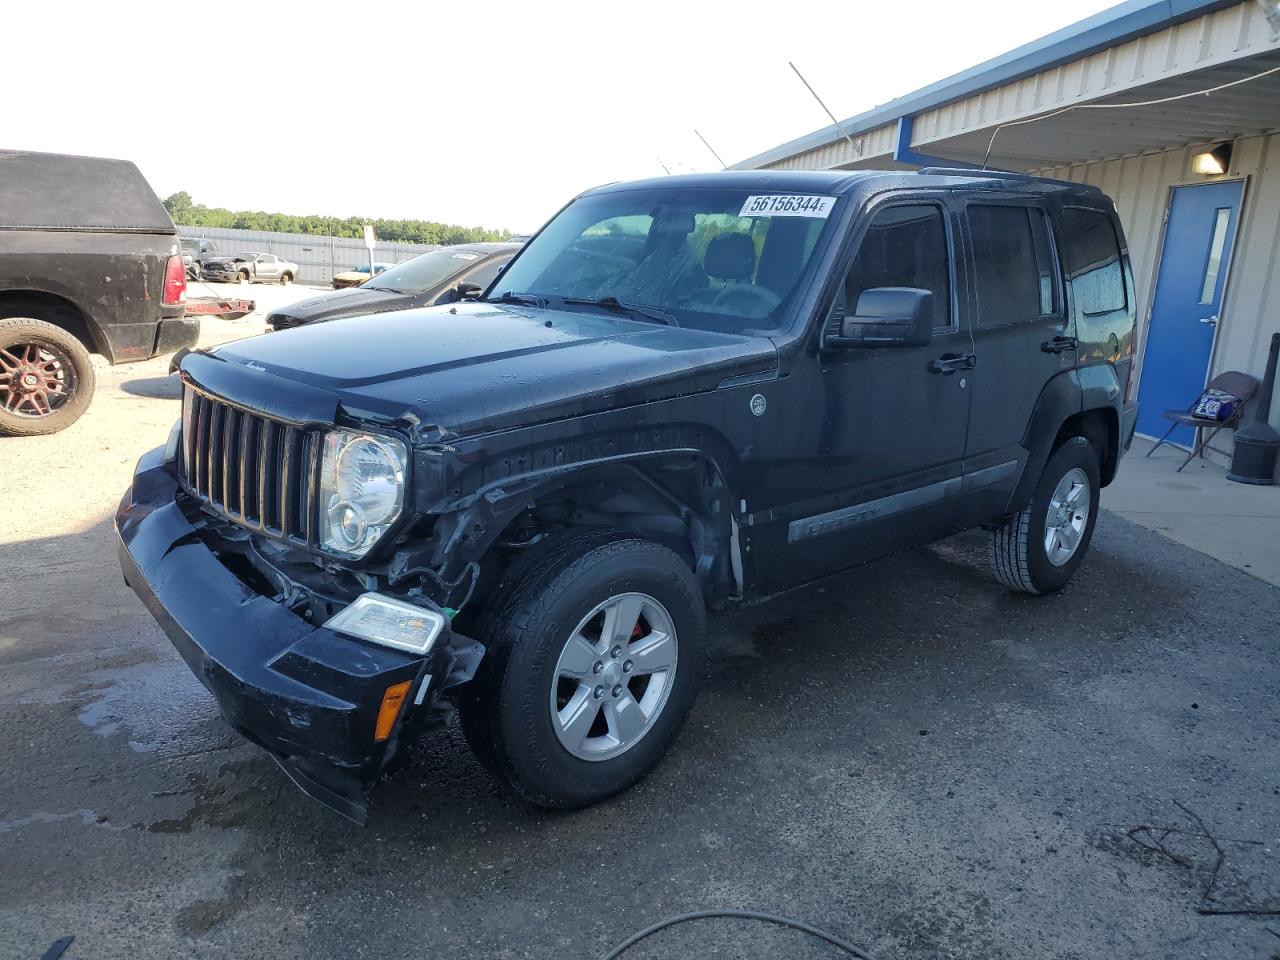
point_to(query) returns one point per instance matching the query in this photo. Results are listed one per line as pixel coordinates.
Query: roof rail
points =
(1000, 175)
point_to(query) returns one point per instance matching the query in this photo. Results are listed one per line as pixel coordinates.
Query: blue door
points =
(1184, 314)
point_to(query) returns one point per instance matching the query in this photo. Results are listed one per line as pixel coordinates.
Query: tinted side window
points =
(1013, 263)
(905, 246)
(1093, 261)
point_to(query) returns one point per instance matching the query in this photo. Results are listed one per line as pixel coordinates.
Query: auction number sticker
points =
(787, 205)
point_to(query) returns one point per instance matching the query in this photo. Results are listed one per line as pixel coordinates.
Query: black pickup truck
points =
(682, 394)
(89, 263)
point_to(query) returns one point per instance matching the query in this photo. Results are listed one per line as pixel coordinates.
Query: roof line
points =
(1128, 20)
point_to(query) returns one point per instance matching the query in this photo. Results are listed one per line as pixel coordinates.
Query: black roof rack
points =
(1001, 175)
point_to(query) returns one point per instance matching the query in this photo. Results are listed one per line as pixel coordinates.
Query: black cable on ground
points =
(830, 938)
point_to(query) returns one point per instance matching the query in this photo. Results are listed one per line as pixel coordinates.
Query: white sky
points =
(486, 113)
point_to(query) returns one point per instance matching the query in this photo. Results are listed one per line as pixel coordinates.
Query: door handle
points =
(1060, 344)
(949, 363)
(1211, 321)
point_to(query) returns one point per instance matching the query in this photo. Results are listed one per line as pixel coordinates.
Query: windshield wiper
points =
(526, 299)
(638, 309)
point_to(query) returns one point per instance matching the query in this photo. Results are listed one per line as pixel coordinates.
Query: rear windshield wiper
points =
(638, 309)
(527, 299)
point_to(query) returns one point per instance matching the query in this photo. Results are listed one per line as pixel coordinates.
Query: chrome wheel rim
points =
(36, 379)
(614, 676)
(1066, 516)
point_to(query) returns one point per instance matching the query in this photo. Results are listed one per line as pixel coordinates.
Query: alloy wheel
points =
(35, 379)
(1066, 516)
(614, 676)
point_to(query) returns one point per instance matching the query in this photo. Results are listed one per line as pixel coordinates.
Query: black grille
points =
(259, 472)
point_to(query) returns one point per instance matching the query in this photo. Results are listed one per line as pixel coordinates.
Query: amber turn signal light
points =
(392, 701)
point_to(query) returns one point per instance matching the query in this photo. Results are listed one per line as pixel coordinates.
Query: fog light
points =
(392, 701)
(392, 623)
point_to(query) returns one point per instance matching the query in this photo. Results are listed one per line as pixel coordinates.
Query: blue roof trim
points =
(1116, 25)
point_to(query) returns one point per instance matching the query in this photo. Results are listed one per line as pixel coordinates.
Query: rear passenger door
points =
(1022, 337)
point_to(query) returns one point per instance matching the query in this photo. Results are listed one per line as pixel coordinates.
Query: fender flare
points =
(1068, 394)
(1060, 399)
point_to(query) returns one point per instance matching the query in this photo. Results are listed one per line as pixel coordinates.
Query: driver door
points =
(877, 463)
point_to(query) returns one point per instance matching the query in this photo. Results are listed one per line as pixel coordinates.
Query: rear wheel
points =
(1038, 549)
(46, 378)
(595, 655)
(286, 279)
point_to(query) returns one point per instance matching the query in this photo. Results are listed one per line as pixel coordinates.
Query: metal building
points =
(1170, 106)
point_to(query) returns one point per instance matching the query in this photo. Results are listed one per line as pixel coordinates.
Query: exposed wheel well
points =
(680, 501)
(1101, 427)
(53, 309)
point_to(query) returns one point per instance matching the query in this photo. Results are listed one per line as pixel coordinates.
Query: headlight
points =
(361, 490)
(390, 622)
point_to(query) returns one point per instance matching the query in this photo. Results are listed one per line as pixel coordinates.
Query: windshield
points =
(424, 272)
(714, 258)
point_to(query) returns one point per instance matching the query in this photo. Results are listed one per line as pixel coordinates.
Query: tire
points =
(1020, 550)
(286, 279)
(508, 710)
(33, 348)
(242, 276)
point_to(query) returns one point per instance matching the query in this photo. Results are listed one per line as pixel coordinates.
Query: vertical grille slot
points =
(250, 468)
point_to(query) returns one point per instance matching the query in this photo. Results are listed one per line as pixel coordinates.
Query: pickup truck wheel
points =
(1038, 550)
(46, 378)
(243, 276)
(595, 653)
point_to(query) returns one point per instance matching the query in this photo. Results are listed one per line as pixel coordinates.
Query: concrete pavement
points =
(1236, 523)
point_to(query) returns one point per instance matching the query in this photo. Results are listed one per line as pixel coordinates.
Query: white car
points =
(250, 268)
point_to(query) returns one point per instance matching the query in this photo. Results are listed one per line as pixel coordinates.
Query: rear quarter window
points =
(1013, 263)
(1093, 262)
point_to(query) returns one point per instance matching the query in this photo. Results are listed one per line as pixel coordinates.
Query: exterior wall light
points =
(1213, 162)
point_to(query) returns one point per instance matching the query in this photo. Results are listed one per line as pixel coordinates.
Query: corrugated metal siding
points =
(318, 257)
(1216, 38)
(1155, 65)
(1141, 189)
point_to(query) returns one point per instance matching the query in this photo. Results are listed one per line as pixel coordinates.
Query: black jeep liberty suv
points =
(683, 393)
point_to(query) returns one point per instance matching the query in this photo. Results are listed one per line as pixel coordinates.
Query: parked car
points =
(250, 268)
(441, 276)
(196, 250)
(684, 394)
(89, 262)
(357, 275)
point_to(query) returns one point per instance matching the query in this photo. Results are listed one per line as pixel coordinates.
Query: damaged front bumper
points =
(307, 694)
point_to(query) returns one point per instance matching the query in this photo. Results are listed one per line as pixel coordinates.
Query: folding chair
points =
(1233, 382)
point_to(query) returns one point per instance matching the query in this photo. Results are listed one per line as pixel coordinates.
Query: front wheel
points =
(243, 276)
(596, 649)
(1038, 549)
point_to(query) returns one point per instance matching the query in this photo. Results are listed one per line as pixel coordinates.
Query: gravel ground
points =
(906, 754)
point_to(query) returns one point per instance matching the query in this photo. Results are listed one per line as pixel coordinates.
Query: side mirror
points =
(889, 317)
(469, 291)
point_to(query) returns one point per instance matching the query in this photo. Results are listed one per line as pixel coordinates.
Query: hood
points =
(347, 302)
(477, 367)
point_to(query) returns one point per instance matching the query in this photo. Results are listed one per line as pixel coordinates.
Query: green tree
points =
(188, 213)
